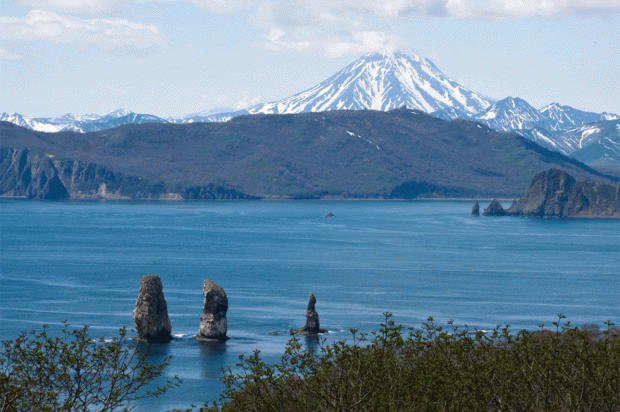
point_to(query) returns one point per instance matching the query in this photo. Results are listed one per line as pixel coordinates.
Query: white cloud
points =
(95, 7)
(7, 55)
(328, 27)
(224, 6)
(113, 35)
(505, 9)
(247, 101)
(340, 27)
(347, 12)
(297, 12)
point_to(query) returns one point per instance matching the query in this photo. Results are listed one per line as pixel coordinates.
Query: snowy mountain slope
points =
(119, 118)
(603, 152)
(208, 118)
(509, 114)
(513, 113)
(452, 113)
(383, 82)
(38, 124)
(564, 117)
(578, 138)
(85, 123)
(594, 144)
(549, 140)
(214, 115)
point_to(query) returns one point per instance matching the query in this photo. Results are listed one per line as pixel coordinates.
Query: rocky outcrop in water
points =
(475, 210)
(555, 193)
(213, 323)
(151, 313)
(312, 326)
(494, 209)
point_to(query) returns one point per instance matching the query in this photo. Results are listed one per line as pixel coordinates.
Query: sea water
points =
(82, 261)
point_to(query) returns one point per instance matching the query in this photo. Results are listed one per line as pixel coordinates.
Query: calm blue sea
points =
(82, 261)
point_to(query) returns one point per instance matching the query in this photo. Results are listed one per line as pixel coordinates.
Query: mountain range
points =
(81, 124)
(401, 153)
(384, 82)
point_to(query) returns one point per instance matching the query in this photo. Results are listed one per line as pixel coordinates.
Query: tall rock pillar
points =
(151, 313)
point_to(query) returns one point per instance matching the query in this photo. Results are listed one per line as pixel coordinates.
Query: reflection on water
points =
(154, 353)
(212, 358)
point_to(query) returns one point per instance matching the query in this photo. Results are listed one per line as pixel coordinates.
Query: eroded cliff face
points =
(40, 176)
(34, 176)
(555, 193)
(31, 175)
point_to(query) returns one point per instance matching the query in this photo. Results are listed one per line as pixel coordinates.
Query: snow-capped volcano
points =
(383, 82)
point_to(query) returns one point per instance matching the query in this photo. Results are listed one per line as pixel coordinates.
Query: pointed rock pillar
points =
(312, 326)
(475, 210)
(151, 313)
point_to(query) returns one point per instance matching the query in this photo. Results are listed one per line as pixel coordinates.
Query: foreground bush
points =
(39, 373)
(569, 369)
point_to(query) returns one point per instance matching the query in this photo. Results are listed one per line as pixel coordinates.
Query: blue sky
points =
(171, 58)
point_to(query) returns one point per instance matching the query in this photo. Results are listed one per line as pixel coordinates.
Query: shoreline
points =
(270, 199)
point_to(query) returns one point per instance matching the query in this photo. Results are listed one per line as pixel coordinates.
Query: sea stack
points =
(494, 209)
(312, 326)
(151, 313)
(213, 323)
(555, 193)
(475, 210)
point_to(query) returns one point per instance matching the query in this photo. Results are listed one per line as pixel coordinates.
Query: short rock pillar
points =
(213, 323)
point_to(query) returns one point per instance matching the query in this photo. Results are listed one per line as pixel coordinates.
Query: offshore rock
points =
(213, 323)
(475, 210)
(151, 313)
(312, 326)
(494, 209)
(555, 193)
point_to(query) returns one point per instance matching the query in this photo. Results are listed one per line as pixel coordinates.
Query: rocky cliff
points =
(555, 193)
(33, 175)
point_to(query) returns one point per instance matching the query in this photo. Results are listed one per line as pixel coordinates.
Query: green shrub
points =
(39, 373)
(434, 369)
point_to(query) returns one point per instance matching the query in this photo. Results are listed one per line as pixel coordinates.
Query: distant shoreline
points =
(270, 199)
